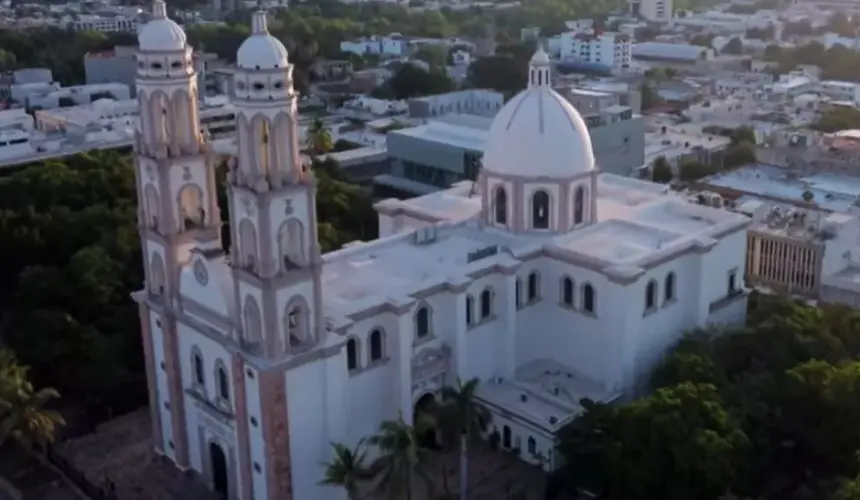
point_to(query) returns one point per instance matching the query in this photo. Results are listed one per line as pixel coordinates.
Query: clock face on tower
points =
(201, 273)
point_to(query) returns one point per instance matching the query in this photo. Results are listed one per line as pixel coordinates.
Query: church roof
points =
(261, 50)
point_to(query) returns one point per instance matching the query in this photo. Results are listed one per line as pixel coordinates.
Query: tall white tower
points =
(274, 253)
(177, 210)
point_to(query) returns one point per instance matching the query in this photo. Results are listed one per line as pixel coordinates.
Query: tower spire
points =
(539, 67)
(259, 25)
(159, 9)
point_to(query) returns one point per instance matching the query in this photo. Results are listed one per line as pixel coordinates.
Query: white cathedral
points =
(546, 280)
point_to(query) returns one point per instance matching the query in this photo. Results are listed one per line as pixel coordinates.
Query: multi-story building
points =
(611, 50)
(259, 356)
(120, 66)
(105, 24)
(477, 102)
(655, 11)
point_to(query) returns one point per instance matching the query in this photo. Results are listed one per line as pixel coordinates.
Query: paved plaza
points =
(120, 451)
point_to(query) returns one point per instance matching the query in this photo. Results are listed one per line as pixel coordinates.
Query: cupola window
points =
(579, 205)
(501, 207)
(540, 210)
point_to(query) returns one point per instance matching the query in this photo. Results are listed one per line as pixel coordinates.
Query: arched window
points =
(291, 244)
(567, 291)
(506, 436)
(351, 354)
(533, 286)
(376, 345)
(588, 298)
(156, 274)
(422, 322)
(669, 288)
(223, 382)
(470, 309)
(486, 303)
(192, 215)
(540, 210)
(532, 446)
(253, 322)
(296, 325)
(519, 292)
(501, 207)
(248, 245)
(197, 363)
(153, 205)
(650, 295)
(579, 205)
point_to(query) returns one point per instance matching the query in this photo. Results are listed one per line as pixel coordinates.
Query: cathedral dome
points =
(538, 133)
(161, 33)
(261, 50)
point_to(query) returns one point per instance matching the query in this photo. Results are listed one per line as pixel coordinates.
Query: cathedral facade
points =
(546, 280)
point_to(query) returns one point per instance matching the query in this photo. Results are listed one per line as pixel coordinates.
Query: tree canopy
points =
(71, 256)
(765, 412)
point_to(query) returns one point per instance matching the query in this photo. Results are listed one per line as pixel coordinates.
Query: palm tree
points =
(460, 416)
(318, 140)
(346, 468)
(23, 417)
(402, 458)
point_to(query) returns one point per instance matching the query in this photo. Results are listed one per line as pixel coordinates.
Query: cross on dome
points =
(539, 69)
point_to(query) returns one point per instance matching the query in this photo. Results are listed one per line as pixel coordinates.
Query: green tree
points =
(412, 81)
(318, 139)
(691, 170)
(502, 73)
(661, 171)
(461, 418)
(733, 46)
(691, 441)
(436, 56)
(23, 416)
(347, 469)
(402, 460)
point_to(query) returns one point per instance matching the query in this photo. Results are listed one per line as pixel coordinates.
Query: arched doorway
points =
(426, 405)
(219, 469)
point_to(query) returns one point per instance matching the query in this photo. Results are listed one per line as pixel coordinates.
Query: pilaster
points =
(509, 312)
(151, 379)
(404, 340)
(246, 488)
(461, 330)
(276, 434)
(173, 366)
(336, 377)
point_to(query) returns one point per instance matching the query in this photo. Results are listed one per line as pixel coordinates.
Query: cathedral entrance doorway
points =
(219, 469)
(425, 407)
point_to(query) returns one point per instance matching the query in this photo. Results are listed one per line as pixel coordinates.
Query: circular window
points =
(279, 85)
(156, 65)
(176, 64)
(259, 86)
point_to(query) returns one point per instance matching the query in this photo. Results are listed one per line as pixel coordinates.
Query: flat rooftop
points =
(637, 220)
(833, 192)
(545, 393)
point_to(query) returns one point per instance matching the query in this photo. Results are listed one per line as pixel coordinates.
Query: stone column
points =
(336, 377)
(461, 329)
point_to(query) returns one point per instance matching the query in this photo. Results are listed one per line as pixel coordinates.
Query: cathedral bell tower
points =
(274, 251)
(175, 175)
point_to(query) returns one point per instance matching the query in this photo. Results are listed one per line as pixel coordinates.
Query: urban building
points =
(655, 11)
(118, 65)
(611, 50)
(104, 24)
(55, 96)
(261, 355)
(477, 102)
(678, 52)
(449, 148)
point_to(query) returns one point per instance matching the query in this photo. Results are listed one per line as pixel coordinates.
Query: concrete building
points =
(104, 24)
(78, 94)
(477, 102)
(611, 50)
(546, 280)
(449, 148)
(678, 52)
(119, 65)
(655, 11)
